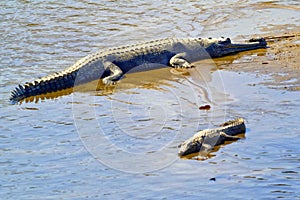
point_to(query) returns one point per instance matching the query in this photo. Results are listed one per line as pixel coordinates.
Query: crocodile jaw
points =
(225, 47)
(189, 147)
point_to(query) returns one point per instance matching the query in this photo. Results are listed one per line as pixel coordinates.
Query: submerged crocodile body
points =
(112, 64)
(205, 140)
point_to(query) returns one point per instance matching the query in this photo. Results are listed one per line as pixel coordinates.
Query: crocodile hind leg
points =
(178, 61)
(116, 73)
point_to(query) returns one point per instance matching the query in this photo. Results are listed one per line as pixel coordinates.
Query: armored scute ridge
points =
(112, 64)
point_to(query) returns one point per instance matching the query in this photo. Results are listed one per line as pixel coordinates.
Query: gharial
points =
(111, 64)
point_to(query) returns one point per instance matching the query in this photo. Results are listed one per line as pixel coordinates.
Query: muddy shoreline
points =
(280, 61)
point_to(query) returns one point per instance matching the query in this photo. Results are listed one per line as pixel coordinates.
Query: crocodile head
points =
(188, 147)
(224, 47)
(202, 145)
(199, 143)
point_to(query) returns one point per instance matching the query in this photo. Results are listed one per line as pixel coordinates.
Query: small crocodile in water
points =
(110, 65)
(205, 140)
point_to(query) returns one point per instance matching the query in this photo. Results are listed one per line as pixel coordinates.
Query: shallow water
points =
(121, 143)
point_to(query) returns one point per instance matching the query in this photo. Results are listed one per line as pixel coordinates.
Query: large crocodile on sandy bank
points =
(205, 140)
(110, 65)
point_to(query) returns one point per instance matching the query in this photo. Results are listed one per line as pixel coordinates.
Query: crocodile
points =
(205, 140)
(110, 65)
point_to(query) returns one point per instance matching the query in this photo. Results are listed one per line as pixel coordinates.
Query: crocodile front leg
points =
(228, 137)
(178, 61)
(116, 73)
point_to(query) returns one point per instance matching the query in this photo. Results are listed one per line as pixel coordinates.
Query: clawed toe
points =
(108, 82)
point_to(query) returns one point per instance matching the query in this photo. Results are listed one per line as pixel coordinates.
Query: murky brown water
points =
(121, 143)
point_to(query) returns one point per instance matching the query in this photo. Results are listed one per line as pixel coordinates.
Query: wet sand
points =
(280, 61)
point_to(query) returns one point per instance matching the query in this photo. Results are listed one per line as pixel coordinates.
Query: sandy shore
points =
(281, 61)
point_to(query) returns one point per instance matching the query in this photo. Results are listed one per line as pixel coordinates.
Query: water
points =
(121, 143)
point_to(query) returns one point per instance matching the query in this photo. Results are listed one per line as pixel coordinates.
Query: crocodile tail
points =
(47, 84)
